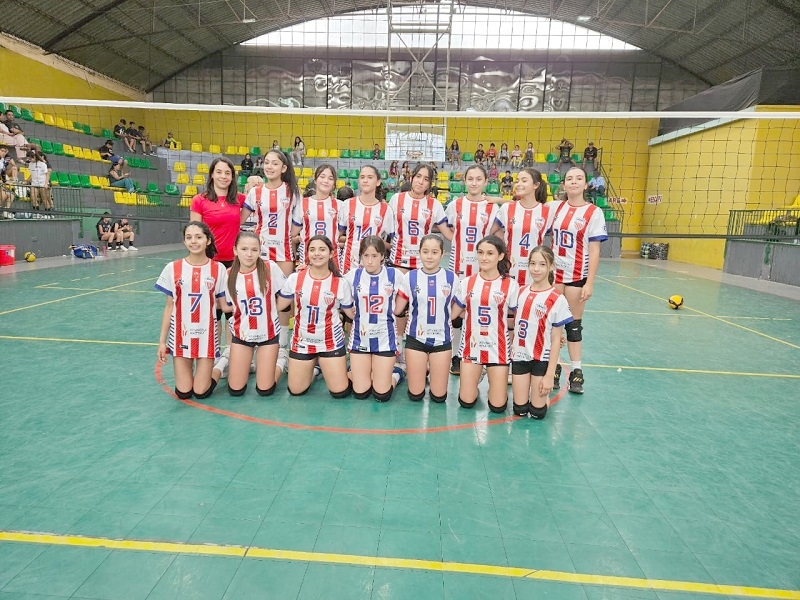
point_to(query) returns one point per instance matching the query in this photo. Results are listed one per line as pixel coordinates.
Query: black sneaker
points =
(455, 366)
(576, 381)
(557, 378)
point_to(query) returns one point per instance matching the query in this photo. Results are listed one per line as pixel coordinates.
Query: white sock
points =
(283, 337)
(575, 364)
(281, 364)
(395, 379)
(456, 340)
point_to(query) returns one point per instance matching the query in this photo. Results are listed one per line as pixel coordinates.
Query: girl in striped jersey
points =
(362, 216)
(373, 336)
(523, 223)
(318, 294)
(541, 313)
(195, 289)
(578, 228)
(429, 291)
(487, 300)
(469, 219)
(252, 285)
(317, 214)
(273, 203)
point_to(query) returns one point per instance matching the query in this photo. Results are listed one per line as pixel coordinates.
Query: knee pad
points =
(522, 409)
(291, 393)
(267, 392)
(382, 397)
(538, 413)
(239, 392)
(361, 395)
(467, 404)
(416, 397)
(457, 323)
(498, 409)
(344, 393)
(208, 392)
(574, 331)
(183, 395)
(436, 399)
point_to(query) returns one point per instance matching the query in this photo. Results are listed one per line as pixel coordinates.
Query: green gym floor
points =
(676, 476)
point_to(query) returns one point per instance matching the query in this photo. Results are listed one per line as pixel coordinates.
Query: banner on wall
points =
(656, 199)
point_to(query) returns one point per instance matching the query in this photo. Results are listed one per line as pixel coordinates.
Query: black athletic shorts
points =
(415, 344)
(332, 354)
(241, 342)
(385, 353)
(537, 368)
(579, 284)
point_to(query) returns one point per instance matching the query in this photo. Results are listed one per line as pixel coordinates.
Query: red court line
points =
(159, 375)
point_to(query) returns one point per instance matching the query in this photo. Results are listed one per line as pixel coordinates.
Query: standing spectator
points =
(170, 142)
(565, 154)
(480, 155)
(124, 231)
(516, 157)
(528, 160)
(119, 177)
(376, 152)
(597, 186)
(590, 155)
(455, 154)
(40, 182)
(106, 232)
(247, 165)
(503, 157)
(299, 151)
(144, 140)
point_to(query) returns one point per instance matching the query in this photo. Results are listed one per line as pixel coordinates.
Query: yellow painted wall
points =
(775, 174)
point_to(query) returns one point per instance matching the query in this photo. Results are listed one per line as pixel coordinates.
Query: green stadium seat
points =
(255, 151)
(242, 180)
(355, 153)
(384, 174)
(154, 199)
(493, 188)
(609, 214)
(3, 107)
(345, 154)
(107, 134)
(53, 178)
(171, 189)
(16, 110)
(456, 187)
(551, 158)
(577, 158)
(63, 179)
(354, 174)
(27, 115)
(58, 149)
(353, 183)
(133, 162)
(75, 180)
(554, 178)
(601, 202)
(554, 188)
(467, 157)
(383, 155)
(36, 141)
(343, 174)
(389, 196)
(47, 146)
(366, 154)
(152, 188)
(84, 181)
(145, 163)
(87, 129)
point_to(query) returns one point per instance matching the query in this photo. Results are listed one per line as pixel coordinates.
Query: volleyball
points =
(30, 256)
(675, 302)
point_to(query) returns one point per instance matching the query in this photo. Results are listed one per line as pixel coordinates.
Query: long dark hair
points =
(504, 266)
(322, 167)
(585, 192)
(211, 248)
(431, 175)
(262, 272)
(432, 236)
(541, 192)
(550, 259)
(334, 268)
(233, 190)
(288, 176)
(480, 168)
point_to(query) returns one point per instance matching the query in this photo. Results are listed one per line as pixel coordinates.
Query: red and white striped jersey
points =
(193, 326)
(357, 221)
(374, 328)
(524, 230)
(573, 228)
(317, 326)
(414, 218)
(537, 314)
(316, 217)
(274, 211)
(470, 221)
(486, 304)
(255, 316)
(429, 298)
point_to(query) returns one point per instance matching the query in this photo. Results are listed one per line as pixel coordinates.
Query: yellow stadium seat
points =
(77, 152)
(237, 168)
(38, 117)
(104, 183)
(26, 174)
(95, 181)
(49, 120)
(243, 150)
(197, 147)
(340, 183)
(442, 197)
(539, 157)
(214, 149)
(333, 153)
(443, 176)
(96, 155)
(508, 197)
(182, 179)
(311, 153)
(231, 150)
(68, 150)
(190, 190)
(514, 176)
(68, 124)
(179, 167)
(119, 198)
(306, 172)
(199, 180)
(60, 122)
(186, 202)
(178, 146)
(302, 183)
(202, 168)
(322, 153)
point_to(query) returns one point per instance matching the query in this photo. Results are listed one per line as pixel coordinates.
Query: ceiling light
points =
(249, 20)
(584, 18)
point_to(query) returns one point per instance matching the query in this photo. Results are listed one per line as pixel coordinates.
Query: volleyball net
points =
(657, 175)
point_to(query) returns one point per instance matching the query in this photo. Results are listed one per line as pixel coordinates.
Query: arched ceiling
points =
(145, 42)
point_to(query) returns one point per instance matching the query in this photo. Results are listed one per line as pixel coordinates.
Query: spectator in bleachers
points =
(247, 165)
(8, 168)
(480, 154)
(527, 162)
(170, 142)
(597, 186)
(299, 151)
(252, 221)
(405, 174)
(507, 183)
(392, 180)
(107, 150)
(565, 154)
(119, 177)
(131, 137)
(516, 157)
(120, 128)
(393, 172)
(11, 135)
(491, 154)
(455, 154)
(493, 172)
(376, 152)
(258, 168)
(590, 155)
(124, 231)
(40, 182)
(144, 140)
(503, 157)
(276, 145)
(106, 232)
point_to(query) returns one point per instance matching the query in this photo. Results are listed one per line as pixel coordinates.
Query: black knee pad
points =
(467, 404)
(538, 413)
(183, 395)
(291, 393)
(574, 331)
(416, 397)
(522, 409)
(208, 392)
(344, 393)
(361, 395)
(435, 398)
(384, 396)
(267, 392)
(238, 392)
(457, 323)
(498, 409)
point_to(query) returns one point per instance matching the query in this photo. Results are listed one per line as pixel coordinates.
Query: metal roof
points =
(145, 42)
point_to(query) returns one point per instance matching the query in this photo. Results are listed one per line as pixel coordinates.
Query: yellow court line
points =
(400, 563)
(697, 371)
(700, 312)
(50, 286)
(672, 313)
(113, 287)
(25, 338)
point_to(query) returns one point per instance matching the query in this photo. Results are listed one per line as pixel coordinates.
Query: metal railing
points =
(773, 224)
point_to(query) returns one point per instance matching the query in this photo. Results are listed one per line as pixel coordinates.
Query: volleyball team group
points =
(364, 279)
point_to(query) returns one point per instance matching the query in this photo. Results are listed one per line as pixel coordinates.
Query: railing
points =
(772, 224)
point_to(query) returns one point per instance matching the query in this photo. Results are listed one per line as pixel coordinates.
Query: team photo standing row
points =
(357, 274)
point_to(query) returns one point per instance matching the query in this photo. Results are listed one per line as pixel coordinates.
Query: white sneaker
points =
(317, 372)
(134, 248)
(222, 366)
(123, 248)
(253, 362)
(281, 365)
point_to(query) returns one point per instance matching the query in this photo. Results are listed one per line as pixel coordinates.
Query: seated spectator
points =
(491, 154)
(258, 168)
(590, 155)
(119, 177)
(275, 145)
(107, 150)
(528, 160)
(516, 157)
(247, 165)
(106, 232)
(144, 140)
(124, 230)
(170, 142)
(597, 186)
(565, 154)
(40, 182)
(299, 151)
(376, 152)
(507, 183)
(120, 128)
(8, 168)
(455, 153)
(503, 158)
(393, 172)
(131, 137)
(480, 155)
(493, 173)
(11, 135)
